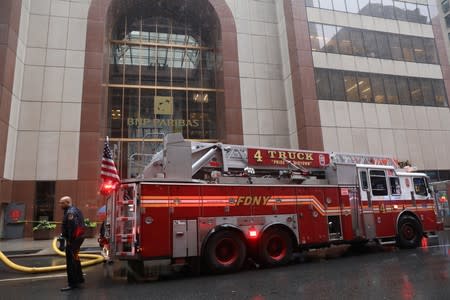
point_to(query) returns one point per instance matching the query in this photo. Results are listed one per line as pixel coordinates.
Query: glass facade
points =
(359, 42)
(379, 88)
(388, 9)
(162, 79)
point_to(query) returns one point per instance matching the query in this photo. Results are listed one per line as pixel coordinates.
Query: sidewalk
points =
(28, 246)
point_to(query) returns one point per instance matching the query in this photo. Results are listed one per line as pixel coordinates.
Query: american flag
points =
(109, 172)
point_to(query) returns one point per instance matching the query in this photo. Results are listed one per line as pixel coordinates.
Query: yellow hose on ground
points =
(95, 259)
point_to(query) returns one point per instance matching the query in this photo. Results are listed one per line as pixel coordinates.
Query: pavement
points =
(28, 246)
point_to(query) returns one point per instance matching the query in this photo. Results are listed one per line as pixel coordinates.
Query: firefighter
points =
(73, 231)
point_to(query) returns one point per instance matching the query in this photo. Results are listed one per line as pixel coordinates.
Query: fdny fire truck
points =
(218, 204)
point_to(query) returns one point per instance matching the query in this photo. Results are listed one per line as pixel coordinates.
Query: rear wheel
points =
(225, 252)
(409, 232)
(275, 248)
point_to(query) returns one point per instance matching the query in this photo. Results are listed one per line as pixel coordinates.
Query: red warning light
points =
(107, 188)
(253, 233)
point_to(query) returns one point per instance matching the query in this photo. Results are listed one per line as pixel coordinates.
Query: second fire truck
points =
(218, 204)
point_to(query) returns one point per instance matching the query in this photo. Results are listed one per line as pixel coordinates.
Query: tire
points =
(275, 248)
(409, 233)
(225, 252)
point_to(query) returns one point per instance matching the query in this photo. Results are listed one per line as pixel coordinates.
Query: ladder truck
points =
(216, 205)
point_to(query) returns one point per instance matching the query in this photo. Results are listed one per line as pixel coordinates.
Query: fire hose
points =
(94, 259)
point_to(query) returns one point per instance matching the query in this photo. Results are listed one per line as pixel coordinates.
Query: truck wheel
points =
(275, 248)
(225, 252)
(409, 233)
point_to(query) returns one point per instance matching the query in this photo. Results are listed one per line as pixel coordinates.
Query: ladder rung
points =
(121, 202)
(125, 219)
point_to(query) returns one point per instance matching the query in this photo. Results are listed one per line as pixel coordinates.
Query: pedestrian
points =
(73, 230)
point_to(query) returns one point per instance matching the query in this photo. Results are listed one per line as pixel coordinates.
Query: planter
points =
(44, 234)
(90, 232)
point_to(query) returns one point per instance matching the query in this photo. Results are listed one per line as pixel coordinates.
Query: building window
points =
(162, 79)
(330, 38)
(391, 90)
(378, 88)
(344, 42)
(364, 87)
(359, 42)
(322, 84)
(389, 9)
(316, 36)
(351, 87)
(45, 201)
(445, 6)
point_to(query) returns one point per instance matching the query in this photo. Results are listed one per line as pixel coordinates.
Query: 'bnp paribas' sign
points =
(163, 105)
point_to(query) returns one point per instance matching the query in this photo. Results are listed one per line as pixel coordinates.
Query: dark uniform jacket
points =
(73, 224)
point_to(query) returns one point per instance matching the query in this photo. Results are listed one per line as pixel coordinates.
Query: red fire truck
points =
(220, 204)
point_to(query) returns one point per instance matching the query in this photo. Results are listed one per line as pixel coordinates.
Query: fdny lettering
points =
(252, 200)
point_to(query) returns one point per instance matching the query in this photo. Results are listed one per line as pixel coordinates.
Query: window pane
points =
(445, 6)
(383, 45)
(424, 15)
(339, 5)
(430, 50)
(116, 109)
(396, 50)
(439, 93)
(427, 90)
(416, 91)
(322, 84)
(376, 8)
(351, 87)
(378, 183)
(378, 88)
(316, 36)
(391, 90)
(327, 4)
(45, 201)
(388, 9)
(365, 91)
(400, 10)
(407, 50)
(364, 7)
(395, 186)
(370, 44)
(403, 90)
(419, 50)
(352, 6)
(116, 68)
(357, 42)
(344, 43)
(330, 38)
(420, 187)
(412, 14)
(337, 85)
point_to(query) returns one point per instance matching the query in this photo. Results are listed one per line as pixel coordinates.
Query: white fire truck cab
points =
(218, 204)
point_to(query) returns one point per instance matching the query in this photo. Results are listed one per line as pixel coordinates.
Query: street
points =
(373, 273)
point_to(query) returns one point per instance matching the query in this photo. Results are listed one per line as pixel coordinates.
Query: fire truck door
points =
(366, 204)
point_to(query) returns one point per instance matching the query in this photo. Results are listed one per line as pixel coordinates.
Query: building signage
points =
(144, 122)
(307, 159)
